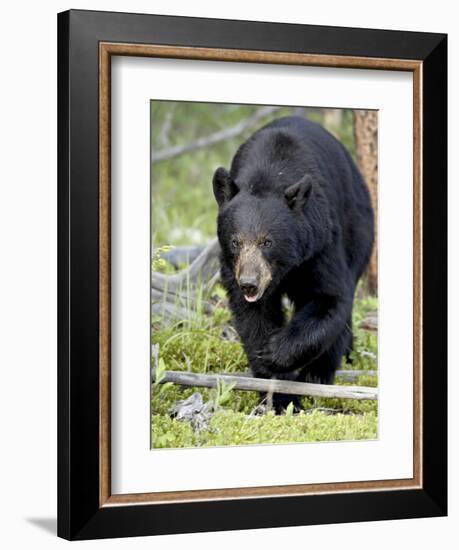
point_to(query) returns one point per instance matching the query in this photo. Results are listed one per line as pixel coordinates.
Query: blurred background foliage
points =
(184, 210)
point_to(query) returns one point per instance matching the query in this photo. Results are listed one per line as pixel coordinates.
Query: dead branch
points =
(185, 300)
(216, 137)
(174, 297)
(370, 323)
(204, 269)
(348, 375)
(182, 255)
(246, 383)
(171, 312)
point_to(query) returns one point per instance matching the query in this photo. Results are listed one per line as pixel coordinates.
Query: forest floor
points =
(208, 344)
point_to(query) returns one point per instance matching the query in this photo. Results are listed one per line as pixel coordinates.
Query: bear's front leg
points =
(312, 331)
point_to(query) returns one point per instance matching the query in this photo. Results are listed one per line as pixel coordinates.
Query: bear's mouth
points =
(253, 298)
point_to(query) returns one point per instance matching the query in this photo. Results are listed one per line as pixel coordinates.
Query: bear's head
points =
(264, 236)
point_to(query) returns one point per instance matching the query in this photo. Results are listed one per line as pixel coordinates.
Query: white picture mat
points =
(136, 468)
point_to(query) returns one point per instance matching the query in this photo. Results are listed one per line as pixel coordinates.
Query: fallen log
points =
(167, 311)
(184, 301)
(180, 255)
(247, 383)
(174, 297)
(205, 268)
(346, 374)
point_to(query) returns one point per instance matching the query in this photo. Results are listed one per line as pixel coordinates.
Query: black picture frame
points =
(80, 515)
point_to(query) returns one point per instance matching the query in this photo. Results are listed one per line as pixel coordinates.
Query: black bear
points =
(295, 220)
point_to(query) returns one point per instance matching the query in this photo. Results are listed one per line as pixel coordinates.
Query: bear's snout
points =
(249, 286)
(253, 273)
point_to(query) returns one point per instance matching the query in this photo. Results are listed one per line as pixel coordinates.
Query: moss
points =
(236, 428)
(199, 350)
(198, 346)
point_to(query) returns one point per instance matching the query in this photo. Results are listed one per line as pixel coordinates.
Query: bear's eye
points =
(235, 243)
(267, 243)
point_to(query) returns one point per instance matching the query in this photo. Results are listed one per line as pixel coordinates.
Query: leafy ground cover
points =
(208, 344)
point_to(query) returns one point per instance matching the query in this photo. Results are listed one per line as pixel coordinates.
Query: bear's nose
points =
(248, 284)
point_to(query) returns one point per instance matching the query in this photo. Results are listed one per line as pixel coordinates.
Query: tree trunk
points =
(366, 144)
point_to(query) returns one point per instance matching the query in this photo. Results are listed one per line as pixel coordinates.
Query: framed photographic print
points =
(252, 274)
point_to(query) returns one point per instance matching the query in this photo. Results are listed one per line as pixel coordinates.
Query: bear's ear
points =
(297, 194)
(224, 187)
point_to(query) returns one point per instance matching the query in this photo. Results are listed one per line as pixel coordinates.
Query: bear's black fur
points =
(295, 220)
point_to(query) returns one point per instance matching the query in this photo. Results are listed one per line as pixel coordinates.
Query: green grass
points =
(236, 428)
